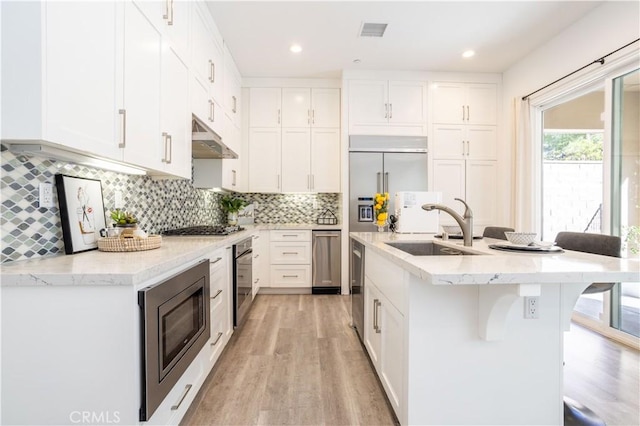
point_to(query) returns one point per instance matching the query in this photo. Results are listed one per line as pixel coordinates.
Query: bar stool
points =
(576, 414)
(496, 232)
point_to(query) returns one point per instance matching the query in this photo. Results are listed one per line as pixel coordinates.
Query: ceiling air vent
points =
(372, 30)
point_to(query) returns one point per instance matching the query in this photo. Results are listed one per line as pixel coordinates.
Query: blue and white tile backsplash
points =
(29, 231)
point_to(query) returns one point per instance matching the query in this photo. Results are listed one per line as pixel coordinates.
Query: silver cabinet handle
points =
(210, 109)
(170, 140)
(213, 112)
(217, 294)
(375, 315)
(210, 73)
(289, 235)
(213, 72)
(235, 104)
(462, 112)
(330, 236)
(171, 20)
(256, 256)
(308, 116)
(313, 116)
(278, 115)
(468, 116)
(378, 304)
(290, 276)
(390, 110)
(386, 110)
(233, 182)
(386, 182)
(123, 140)
(468, 149)
(289, 252)
(216, 261)
(169, 14)
(215, 342)
(182, 397)
(164, 141)
(463, 154)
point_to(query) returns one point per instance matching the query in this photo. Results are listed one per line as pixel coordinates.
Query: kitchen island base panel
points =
(455, 377)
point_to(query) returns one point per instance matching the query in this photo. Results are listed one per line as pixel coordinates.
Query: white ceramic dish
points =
(521, 238)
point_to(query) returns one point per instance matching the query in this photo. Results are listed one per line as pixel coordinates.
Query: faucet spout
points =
(465, 221)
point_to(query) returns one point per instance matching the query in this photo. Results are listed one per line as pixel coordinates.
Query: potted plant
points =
(124, 220)
(232, 206)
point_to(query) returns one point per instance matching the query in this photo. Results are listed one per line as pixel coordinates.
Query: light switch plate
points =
(118, 199)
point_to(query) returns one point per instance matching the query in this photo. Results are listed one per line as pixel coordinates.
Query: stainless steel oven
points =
(175, 326)
(242, 280)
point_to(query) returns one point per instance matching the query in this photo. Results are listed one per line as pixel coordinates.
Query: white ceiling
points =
(422, 35)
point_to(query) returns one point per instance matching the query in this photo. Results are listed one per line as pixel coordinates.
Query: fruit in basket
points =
(123, 218)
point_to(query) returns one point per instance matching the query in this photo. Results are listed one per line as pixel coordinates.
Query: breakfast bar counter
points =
(450, 335)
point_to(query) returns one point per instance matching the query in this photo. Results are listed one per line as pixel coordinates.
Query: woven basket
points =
(120, 244)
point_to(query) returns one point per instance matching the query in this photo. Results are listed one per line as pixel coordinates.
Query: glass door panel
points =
(625, 194)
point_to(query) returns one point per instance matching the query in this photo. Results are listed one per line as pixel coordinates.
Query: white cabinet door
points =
(81, 104)
(290, 253)
(372, 337)
(325, 160)
(175, 119)
(368, 103)
(482, 101)
(264, 160)
(296, 107)
(265, 107)
(481, 181)
(482, 142)
(232, 88)
(449, 141)
(391, 332)
(325, 108)
(407, 102)
(290, 276)
(142, 64)
(449, 178)
(448, 103)
(296, 164)
(177, 26)
(206, 54)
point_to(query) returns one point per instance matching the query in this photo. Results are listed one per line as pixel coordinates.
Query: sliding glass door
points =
(625, 193)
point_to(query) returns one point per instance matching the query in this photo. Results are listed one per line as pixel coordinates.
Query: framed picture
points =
(81, 212)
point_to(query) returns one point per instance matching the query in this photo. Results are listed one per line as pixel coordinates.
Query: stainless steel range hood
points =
(206, 143)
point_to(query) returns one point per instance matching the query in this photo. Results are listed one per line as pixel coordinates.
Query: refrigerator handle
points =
(379, 188)
(386, 182)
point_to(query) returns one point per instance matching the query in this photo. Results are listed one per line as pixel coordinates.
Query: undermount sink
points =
(427, 248)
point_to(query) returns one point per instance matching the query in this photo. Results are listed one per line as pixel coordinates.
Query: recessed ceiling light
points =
(295, 48)
(468, 54)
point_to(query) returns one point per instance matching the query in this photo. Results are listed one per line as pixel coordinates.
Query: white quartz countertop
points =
(491, 266)
(128, 268)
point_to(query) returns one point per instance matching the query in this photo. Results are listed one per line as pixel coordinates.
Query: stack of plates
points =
(535, 248)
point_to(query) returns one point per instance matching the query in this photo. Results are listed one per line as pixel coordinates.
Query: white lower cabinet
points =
(290, 259)
(384, 329)
(260, 264)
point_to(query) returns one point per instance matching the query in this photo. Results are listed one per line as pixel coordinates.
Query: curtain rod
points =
(597, 61)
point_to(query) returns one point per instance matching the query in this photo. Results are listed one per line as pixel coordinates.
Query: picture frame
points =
(81, 212)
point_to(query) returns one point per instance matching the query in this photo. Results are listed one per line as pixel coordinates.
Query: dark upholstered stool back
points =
(496, 232)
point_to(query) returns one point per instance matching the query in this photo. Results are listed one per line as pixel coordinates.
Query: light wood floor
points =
(603, 375)
(296, 361)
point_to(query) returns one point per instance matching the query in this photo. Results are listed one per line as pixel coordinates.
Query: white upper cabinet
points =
(464, 103)
(303, 107)
(62, 88)
(206, 53)
(468, 142)
(265, 107)
(325, 160)
(296, 162)
(264, 160)
(142, 139)
(387, 107)
(296, 107)
(232, 89)
(171, 18)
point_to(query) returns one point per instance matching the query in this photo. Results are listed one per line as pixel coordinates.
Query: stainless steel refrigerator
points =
(383, 164)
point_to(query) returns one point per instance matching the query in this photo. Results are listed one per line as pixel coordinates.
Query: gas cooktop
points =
(204, 230)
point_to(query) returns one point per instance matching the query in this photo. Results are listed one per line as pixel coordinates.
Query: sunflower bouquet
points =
(380, 208)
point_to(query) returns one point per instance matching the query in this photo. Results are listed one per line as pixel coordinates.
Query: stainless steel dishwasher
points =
(325, 262)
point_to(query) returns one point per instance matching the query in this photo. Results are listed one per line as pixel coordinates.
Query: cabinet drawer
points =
(290, 276)
(290, 235)
(218, 280)
(282, 253)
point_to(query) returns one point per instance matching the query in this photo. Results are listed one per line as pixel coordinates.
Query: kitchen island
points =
(448, 334)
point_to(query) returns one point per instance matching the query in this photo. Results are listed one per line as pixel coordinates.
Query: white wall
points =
(604, 29)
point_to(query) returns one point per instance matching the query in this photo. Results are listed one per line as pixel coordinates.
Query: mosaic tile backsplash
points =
(29, 231)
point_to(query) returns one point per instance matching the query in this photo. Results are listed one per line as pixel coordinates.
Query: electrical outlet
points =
(532, 307)
(46, 194)
(118, 199)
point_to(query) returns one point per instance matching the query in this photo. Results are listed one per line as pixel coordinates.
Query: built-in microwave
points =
(175, 325)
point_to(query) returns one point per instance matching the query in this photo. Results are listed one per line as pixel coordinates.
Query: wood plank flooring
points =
(296, 361)
(602, 374)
